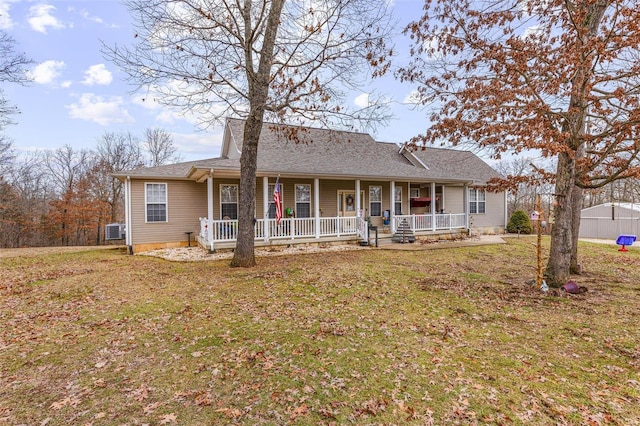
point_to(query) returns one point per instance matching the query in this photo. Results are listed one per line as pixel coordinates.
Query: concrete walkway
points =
(387, 244)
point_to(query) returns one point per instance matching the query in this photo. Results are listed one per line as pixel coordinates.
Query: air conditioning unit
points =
(115, 231)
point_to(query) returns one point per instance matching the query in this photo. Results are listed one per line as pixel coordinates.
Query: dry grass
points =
(451, 336)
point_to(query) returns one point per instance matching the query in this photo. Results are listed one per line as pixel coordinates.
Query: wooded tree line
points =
(66, 196)
(523, 195)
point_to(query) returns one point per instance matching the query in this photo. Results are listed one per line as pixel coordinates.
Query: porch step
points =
(403, 234)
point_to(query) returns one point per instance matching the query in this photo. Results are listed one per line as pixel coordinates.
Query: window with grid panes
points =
(375, 201)
(155, 202)
(398, 200)
(477, 201)
(229, 201)
(303, 200)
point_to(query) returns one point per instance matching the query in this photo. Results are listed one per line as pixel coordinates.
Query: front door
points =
(347, 203)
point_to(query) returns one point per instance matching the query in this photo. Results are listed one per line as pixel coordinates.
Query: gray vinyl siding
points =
(494, 215)
(329, 195)
(186, 202)
(454, 199)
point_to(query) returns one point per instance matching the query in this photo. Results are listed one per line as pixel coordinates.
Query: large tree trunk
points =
(576, 206)
(564, 245)
(557, 272)
(244, 255)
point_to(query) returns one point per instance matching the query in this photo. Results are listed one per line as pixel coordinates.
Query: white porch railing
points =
(296, 228)
(425, 222)
(289, 228)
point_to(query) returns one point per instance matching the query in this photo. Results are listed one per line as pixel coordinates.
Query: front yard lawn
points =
(453, 336)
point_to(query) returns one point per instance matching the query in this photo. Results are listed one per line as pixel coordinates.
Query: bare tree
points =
(32, 192)
(6, 154)
(12, 70)
(561, 77)
(254, 59)
(159, 145)
(115, 152)
(66, 167)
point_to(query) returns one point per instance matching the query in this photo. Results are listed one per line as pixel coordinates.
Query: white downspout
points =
(506, 212)
(433, 206)
(359, 211)
(210, 210)
(465, 205)
(392, 212)
(265, 207)
(127, 214)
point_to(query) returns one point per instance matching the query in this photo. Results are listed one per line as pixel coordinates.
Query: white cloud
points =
(6, 23)
(412, 98)
(97, 74)
(199, 144)
(40, 18)
(66, 84)
(532, 31)
(88, 17)
(91, 107)
(362, 100)
(46, 72)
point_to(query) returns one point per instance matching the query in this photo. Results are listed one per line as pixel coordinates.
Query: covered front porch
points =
(222, 234)
(329, 209)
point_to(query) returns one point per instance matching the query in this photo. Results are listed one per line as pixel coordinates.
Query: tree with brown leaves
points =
(559, 77)
(253, 59)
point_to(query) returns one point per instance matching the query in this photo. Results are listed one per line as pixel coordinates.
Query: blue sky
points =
(77, 95)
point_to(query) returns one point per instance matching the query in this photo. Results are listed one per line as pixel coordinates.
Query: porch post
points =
(358, 201)
(210, 211)
(265, 208)
(316, 207)
(506, 211)
(433, 206)
(392, 213)
(127, 213)
(465, 204)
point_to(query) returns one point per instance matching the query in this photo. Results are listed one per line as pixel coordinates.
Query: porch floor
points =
(384, 239)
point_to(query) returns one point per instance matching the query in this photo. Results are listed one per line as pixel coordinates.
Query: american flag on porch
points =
(277, 200)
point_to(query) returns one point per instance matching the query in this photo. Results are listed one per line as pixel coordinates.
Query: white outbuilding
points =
(609, 220)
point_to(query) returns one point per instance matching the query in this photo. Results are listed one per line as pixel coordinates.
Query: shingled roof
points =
(174, 171)
(455, 164)
(330, 153)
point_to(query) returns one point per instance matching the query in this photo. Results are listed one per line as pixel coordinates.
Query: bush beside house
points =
(519, 218)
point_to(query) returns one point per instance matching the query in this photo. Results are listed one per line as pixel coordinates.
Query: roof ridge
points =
(307, 127)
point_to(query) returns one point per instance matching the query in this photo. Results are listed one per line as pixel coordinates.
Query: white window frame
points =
(147, 202)
(413, 194)
(372, 201)
(295, 190)
(477, 197)
(396, 201)
(222, 215)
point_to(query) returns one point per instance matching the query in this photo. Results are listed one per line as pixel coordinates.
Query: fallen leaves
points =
(141, 393)
(65, 402)
(357, 337)
(168, 419)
